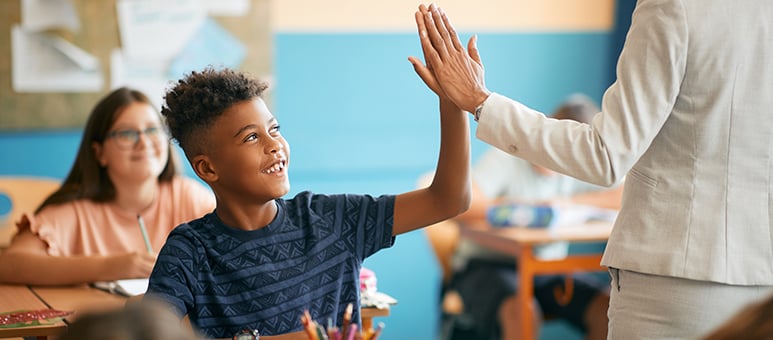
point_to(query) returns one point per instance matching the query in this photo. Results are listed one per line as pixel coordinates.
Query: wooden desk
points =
(17, 297)
(80, 298)
(368, 313)
(83, 298)
(520, 242)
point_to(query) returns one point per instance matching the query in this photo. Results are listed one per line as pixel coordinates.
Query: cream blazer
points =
(689, 124)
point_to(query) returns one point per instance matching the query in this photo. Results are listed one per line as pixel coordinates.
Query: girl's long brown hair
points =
(87, 178)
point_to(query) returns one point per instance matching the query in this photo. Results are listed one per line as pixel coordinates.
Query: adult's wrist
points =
(476, 112)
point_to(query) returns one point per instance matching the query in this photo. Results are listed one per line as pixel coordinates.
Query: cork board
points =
(99, 35)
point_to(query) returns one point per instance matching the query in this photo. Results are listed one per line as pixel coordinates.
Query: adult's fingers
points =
(433, 31)
(472, 49)
(443, 36)
(452, 35)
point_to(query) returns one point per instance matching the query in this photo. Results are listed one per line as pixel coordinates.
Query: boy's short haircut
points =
(199, 98)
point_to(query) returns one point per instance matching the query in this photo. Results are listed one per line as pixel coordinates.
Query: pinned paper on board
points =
(157, 30)
(41, 15)
(48, 63)
(212, 45)
(146, 76)
(231, 8)
(52, 79)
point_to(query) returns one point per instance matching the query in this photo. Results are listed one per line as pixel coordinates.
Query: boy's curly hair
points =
(198, 99)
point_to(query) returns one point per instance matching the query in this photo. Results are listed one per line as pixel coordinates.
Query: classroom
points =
(337, 72)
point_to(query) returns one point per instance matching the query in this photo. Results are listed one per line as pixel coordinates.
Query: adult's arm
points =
(649, 77)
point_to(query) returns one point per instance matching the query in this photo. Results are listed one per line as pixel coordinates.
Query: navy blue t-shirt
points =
(309, 258)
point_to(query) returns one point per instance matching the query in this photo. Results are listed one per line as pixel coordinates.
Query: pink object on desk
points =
(367, 281)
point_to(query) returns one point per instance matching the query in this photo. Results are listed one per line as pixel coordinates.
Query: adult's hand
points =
(456, 71)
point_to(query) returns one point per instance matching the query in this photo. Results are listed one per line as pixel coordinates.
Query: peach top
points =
(85, 227)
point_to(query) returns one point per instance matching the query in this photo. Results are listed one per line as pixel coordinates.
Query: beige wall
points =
(476, 15)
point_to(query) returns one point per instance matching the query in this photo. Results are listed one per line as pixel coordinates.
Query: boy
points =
(258, 261)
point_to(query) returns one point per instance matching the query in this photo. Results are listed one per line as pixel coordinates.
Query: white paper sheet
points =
(44, 63)
(572, 215)
(227, 7)
(127, 287)
(157, 29)
(212, 45)
(40, 15)
(149, 77)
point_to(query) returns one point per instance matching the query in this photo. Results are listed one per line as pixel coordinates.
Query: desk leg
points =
(367, 324)
(525, 292)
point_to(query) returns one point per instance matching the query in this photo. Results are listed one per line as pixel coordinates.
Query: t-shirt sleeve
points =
(48, 226)
(172, 276)
(371, 220)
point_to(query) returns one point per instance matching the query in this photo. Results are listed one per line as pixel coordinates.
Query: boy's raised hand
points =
(425, 72)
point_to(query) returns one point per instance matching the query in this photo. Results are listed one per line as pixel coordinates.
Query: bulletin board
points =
(99, 35)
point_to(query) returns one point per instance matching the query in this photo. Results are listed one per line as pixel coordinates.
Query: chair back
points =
(443, 237)
(18, 195)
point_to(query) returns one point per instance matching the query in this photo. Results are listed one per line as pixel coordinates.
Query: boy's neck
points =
(247, 217)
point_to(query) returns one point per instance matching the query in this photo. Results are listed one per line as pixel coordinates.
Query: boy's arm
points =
(478, 207)
(449, 192)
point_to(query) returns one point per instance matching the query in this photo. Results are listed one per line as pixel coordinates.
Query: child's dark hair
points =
(200, 98)
(137, 321)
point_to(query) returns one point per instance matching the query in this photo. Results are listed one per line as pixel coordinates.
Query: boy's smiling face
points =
(248, 155)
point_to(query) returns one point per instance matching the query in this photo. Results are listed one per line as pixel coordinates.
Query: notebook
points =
(127, 287)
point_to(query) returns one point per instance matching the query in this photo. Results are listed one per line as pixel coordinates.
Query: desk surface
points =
(80, 298)
(17, 297)
(504, 239)
(372, 312)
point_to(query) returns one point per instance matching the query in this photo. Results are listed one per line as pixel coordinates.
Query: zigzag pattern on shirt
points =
(308, 258)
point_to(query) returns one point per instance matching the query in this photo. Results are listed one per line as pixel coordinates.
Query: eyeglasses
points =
(128, 138)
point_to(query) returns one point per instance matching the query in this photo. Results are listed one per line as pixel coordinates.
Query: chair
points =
(454, 323)
(443, 237)
(18, 195)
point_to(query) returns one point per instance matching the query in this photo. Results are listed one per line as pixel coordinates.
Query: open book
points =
(127, 287)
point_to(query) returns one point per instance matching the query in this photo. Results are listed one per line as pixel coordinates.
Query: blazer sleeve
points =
(649, 76)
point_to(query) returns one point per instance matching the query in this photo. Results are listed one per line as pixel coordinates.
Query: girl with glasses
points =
(124, 173)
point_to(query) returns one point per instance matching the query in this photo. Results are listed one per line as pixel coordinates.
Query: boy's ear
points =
(202, 165)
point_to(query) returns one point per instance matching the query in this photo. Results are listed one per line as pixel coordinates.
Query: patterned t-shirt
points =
(226, 279)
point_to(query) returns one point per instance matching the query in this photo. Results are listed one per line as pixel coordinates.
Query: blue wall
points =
(359, 120)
